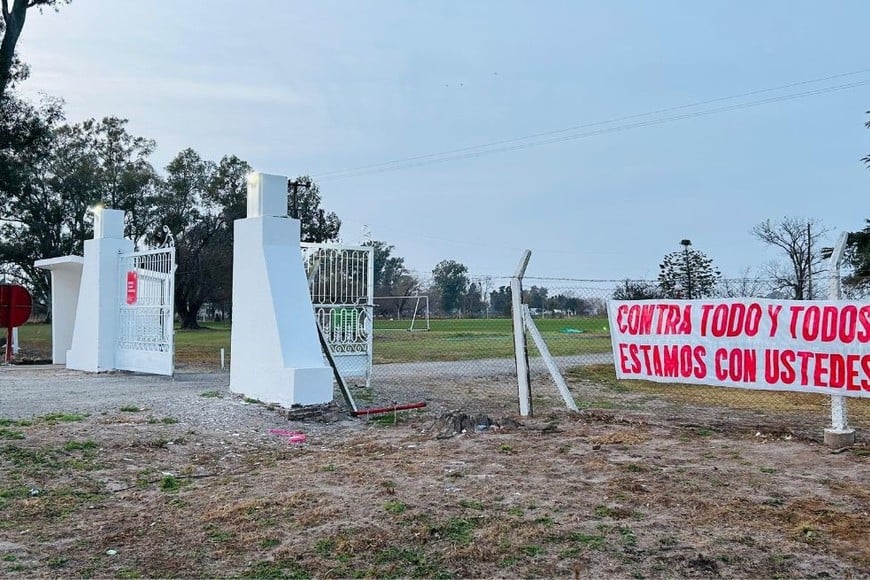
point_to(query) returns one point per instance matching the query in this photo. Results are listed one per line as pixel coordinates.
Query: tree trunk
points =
(14, 25)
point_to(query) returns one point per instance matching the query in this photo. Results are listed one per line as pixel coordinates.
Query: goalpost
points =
(414, 309)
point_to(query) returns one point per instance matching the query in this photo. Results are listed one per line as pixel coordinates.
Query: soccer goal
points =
(402, 312)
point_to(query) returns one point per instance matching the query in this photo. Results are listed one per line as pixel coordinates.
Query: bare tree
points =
(747, 285)
(800, 240)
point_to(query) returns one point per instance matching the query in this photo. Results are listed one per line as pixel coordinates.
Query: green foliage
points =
(131, 409)
(636, 290)
(169, 483)
(395, 507)
(303, 202)
(688, 273)
(451, 280)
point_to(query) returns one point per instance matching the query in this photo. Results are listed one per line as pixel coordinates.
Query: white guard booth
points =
(276, 353)
(113, 308)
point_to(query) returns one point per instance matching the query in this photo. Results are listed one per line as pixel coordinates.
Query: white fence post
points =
(839, 434)
(520, 350)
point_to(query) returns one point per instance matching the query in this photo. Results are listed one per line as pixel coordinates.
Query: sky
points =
(319, 87)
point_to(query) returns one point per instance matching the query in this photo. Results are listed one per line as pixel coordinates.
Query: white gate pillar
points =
(275, 354)
(96, 321)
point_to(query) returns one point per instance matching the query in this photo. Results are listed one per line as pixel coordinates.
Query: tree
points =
(12, 26)
(180, 204)
(303, 203)
(451, 279)
(800, 240)
(857, 255)
(500, 301)
(391, 279)
(473, 303)
(748, 285)
(636, 290)
(688, 274)
(31, 211)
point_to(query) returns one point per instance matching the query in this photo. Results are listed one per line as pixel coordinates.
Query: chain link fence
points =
(467, 364)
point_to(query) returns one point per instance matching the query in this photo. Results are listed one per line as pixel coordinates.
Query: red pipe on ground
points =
(379, 410)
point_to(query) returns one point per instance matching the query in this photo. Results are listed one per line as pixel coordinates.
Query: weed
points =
(768, 470)
(471, 504)
(80, 445)
(668, 541)
(9, 558)
(387, 419)
(324, 547)
(329, 467)
(507, 449)
(545, 521)
(533, 551)
(455, 529)
(169, 483)
(10, 434)
(270, 543)
(704, 432)
(395, 507)
(602, 511)
(774, 501)
(628, 537)
(131, 409)
(634, 468)
(252, 401)
(278, 569)
(218, 535)
(211, 394)
(591, 541)
(57, 562)
(515, 511)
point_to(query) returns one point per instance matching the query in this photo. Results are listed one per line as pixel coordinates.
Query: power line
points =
(524, 143)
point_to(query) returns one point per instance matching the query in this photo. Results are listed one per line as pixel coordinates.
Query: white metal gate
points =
(341, 280)
(146, 322)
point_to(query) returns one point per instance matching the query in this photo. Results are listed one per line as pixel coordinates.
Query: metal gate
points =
(341, 281)
(146, 322)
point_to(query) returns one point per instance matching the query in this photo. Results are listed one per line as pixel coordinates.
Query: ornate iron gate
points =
(146, 322)
(341, 280)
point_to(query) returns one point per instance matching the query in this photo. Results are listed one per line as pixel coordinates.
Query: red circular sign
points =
(15, 305)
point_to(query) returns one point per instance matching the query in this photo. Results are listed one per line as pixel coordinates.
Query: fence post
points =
(521, 352)
(839, 434)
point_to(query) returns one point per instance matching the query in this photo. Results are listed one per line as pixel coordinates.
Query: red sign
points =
(132, 287)
(15, 305)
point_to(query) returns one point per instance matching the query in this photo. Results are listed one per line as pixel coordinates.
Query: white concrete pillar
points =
(98, 309)
(66, 277)
(275, 354)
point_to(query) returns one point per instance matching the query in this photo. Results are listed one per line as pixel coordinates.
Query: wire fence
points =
(467, 364)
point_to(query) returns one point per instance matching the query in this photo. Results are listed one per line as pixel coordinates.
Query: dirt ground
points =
(145, 490)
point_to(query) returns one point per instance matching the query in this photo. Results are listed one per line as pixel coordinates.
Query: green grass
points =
(448, 339)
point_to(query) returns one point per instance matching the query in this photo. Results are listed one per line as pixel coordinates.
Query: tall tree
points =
(180, 204)
(800, 239)
(451, 279)
(500, 301)
(14, 16)
(303, 203)
(857, 254)
(31, 211)
(687, 273)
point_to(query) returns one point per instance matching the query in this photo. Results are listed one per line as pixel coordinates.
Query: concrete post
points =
(276, 355)
(839, 434)
(98, 308)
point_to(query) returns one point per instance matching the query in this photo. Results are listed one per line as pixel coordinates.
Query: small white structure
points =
(276, 354)
(66, 279)
(112, 308)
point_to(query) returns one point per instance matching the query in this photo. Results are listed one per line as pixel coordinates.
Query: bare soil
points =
(155, 491)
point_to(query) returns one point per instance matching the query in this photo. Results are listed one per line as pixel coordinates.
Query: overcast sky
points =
(320, 86)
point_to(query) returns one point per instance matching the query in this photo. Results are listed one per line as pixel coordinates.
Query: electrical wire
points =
(524, 143)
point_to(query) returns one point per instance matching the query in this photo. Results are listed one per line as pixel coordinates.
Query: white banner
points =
(783, 345)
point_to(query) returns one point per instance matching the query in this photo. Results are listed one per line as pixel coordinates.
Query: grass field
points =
(448, 340)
